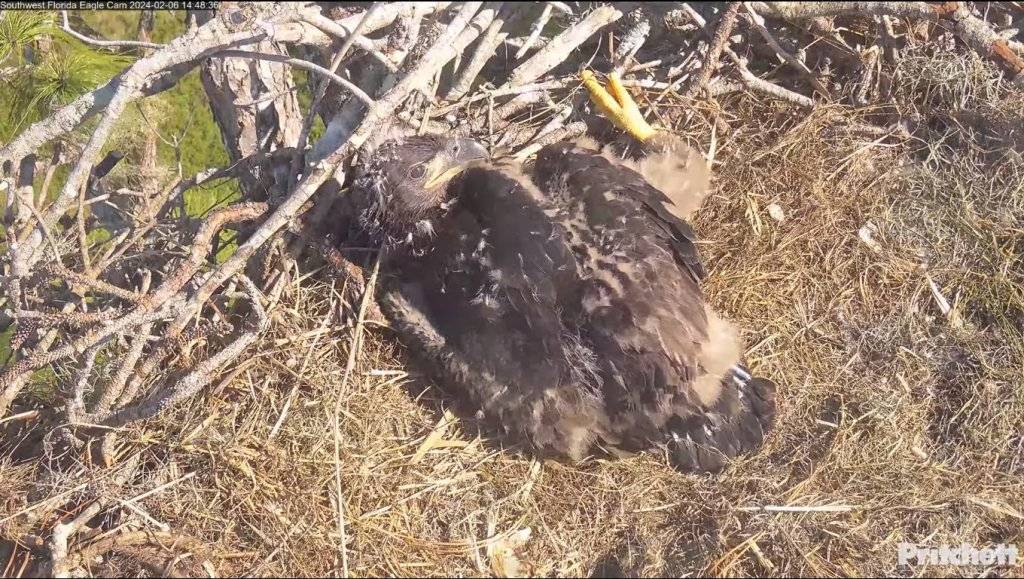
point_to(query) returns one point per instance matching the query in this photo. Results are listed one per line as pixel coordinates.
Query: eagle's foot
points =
(618, 106)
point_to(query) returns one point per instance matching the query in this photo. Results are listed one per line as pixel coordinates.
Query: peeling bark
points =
(256, 107)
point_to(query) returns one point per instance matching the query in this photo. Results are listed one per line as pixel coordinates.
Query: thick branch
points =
(974, 31)
(795, 10)
(556, 51)
(299, 63)
(485, 49)
(718, 43)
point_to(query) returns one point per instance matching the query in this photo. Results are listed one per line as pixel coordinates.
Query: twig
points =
(299, 63)
(339, 141)
(353, 355)
(556, 51)
(633, 39)
(76, 406)
(83, 241)
(104, 43)
(718, 43)
(80, 110)
(754, 82)
(314, 110)
(27, 415)
(123, 89)
(535, 30)
(124, 370)
(534, 90)
(324, 30)
(72, 317)
(693, 15)
(150, 308)
(203, 373)
(355, 37)
(985, 40)
(162, 539)
(799, 509)
(567, 132)
(977, 33)
(46, 231)
(485, 49)
(70, 276)
(797, 10)
(61, 564)
(758, 23)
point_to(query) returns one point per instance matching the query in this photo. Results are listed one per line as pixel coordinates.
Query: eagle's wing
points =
(667, 362)
(481, 300)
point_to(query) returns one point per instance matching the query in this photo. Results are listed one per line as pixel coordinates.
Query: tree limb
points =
(299, 63)
(720, 41)
(555, 52)
(104, 43)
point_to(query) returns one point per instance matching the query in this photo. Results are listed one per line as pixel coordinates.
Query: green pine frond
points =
(19, 29)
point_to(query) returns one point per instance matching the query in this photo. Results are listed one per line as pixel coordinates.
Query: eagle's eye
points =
(417, 172)
(455, 148)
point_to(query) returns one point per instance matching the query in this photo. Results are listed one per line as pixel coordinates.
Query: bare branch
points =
(485, 49)
(161, 304)
(217, 34)
(195, 380)
(334, 29)
(104, 43)
(758, 23)
(73, 277)
(299, 63)
(535, 29)
(754, 82)
(977, 33)
(796, 10)
(124, 371)
(632, 39)
(718, 43)
(338, 142)
(321, 91)
(556, 51)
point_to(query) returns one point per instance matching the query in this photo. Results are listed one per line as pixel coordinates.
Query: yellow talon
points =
(618, 106)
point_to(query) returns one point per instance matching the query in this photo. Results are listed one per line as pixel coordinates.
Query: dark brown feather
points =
(566, 305)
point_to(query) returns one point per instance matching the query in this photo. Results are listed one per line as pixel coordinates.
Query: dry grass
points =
(906, 420)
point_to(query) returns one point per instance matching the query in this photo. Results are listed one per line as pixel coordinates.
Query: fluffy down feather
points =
(565, 303)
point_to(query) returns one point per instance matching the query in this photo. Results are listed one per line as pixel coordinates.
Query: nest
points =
(869, 245)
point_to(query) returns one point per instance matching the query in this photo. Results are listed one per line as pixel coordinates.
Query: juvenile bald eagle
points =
(563, 299)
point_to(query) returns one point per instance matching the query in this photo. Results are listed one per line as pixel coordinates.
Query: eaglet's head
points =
(404, 181)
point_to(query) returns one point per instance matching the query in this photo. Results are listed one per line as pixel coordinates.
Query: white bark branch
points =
(556, 51)
(104, 43)
(299, 63)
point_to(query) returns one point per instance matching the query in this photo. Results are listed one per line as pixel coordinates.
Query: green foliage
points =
(19, 30)
(63, 75)
(181, 113)
(50, 68)
(63, 68)
(5, 344)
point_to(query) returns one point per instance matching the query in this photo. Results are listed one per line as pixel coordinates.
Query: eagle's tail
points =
(735, 424)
